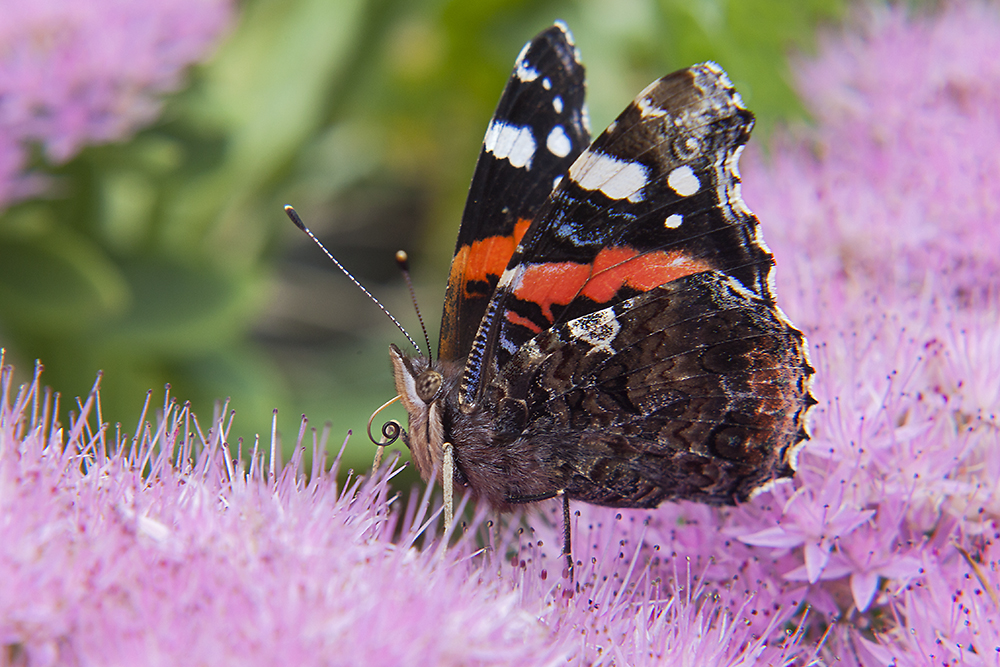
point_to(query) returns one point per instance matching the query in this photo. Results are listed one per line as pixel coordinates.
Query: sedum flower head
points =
(883, 217)
(896, 186)
(170, 550)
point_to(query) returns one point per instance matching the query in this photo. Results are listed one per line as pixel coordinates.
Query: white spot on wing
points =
(557, 104)
(733, 161)
(673, 221)
(599, 329)
(510, 278)
(683, 181)
(557, 142)
(546, 84)
(525, 72)
(511, 142)
(649, 109)
(508, 345)
(618, 179)
(522, 55)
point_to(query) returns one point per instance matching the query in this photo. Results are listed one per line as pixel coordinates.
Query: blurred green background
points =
(168, 258)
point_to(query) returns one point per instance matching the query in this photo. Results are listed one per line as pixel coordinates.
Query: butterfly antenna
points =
(403, 261)
(294, 217)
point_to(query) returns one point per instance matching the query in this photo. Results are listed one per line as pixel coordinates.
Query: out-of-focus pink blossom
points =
(76, 73)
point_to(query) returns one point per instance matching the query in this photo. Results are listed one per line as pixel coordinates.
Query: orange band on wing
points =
(514, 318)
(486, 257)
(560, 282)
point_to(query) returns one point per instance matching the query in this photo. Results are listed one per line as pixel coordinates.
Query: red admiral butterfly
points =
(609, 332)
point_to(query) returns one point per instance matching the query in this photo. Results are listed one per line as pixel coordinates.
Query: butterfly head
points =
(423, 388)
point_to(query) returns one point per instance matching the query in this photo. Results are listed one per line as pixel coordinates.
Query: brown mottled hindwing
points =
(696, 389)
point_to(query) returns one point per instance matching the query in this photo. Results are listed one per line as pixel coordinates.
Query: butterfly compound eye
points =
(428, 385)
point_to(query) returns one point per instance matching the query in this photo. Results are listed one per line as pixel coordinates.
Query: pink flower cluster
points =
(884, 549)
(174, 550)
(885, 221)
(76, 73)
(896, 187)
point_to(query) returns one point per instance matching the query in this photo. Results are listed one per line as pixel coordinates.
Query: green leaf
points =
(57, 279)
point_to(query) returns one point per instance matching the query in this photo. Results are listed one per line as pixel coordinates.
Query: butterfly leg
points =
(567, 533)
(567, 536)
(447, 484)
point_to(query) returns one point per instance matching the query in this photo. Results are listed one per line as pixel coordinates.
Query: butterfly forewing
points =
(656, 197)
(537, 131)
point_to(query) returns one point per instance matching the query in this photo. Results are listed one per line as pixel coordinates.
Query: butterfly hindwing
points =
(695, 389)
(538, 130)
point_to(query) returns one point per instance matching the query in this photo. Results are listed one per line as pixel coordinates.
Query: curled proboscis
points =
(391, 430)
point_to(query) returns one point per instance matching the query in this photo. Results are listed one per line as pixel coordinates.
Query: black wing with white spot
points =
(538, 130)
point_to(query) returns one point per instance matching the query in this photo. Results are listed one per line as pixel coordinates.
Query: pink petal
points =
(816, 559)
(904, 567)
(773, 537)
(863, 586)
(836, 568)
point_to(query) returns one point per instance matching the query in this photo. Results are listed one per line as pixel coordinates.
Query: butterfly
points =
(610, 333)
